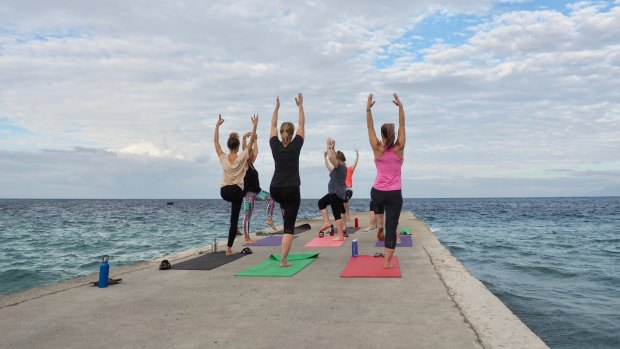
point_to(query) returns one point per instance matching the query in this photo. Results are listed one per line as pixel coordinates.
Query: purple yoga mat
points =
(405, 241)
(268, 241)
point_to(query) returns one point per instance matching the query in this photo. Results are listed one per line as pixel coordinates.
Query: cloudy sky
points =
(119, 99)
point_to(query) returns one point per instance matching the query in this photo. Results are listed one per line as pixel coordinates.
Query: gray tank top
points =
(337, 181)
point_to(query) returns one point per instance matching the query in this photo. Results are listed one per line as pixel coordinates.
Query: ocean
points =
(555, 262)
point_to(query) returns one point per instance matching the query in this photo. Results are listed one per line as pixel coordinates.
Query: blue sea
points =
(555, 262)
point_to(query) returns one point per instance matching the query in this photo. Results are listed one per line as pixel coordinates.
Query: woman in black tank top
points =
(286, 182)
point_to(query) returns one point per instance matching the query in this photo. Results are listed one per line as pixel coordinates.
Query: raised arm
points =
(400, 141)
(255, 148)
(301, 129)
(274, 120)
(357, 157)
(329, 167)
(253, 135)
(372, 135)
(331, 153)
(216, 138)
(244, 140)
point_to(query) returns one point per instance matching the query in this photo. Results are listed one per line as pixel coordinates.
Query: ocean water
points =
(555, 262)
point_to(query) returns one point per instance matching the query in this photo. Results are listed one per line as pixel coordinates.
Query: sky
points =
(119, 99)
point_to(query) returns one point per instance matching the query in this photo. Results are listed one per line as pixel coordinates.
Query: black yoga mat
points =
(207, 261)
(298, 229)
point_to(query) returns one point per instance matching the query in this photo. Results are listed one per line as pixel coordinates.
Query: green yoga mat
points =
(271, 267)
(405, 231)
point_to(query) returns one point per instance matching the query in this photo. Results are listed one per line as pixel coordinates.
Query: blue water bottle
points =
(104, 272)
(354, 248)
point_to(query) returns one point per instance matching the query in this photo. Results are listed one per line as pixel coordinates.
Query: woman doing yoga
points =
(234, 166)
(285, 183)
(336, 189)
(386, 191)
(253, 192)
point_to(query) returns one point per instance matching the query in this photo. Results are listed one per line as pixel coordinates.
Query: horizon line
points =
(362, 198)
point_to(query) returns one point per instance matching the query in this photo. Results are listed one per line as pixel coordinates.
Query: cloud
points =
(526, 91)
(149, 149)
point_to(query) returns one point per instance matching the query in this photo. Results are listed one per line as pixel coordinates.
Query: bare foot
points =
(340, 238)
(388, 266)
(249, 241)
(229, 252)
(269, 222)
(380, 235)
(285, 264)
(369, 228)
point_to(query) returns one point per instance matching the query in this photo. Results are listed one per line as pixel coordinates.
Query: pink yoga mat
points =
(325, 242)
(370, 267)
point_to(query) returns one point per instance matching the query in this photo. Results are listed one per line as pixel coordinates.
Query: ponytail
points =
(287, 130)
(387, 131)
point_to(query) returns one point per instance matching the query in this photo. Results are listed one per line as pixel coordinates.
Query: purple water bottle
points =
(354, 248)
(104, 272)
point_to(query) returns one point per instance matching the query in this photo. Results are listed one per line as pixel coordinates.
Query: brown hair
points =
(340, 156)
(233, 141)
(286, 130)
(387, 131)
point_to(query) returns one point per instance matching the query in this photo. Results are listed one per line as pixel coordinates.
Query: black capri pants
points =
(392, 202)
(348, 195)
(335, 202)
(372, 208)
(234, 195)
(289, 199)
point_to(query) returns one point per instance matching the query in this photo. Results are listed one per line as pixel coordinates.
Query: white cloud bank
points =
(528, 93)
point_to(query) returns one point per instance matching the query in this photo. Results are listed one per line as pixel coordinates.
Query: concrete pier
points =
(436, 304)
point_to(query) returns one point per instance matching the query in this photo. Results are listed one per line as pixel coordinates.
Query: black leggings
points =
(234, 195)
(289, 199)
(335, 202)
(392, 201)
(372, 208)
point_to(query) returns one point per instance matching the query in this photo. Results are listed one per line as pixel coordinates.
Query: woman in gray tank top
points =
(335, 162)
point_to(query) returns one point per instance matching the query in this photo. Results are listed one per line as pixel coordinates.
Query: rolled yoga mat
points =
(298, 229)
(271, 267)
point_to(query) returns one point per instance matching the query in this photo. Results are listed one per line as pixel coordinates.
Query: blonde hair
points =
(387, 131)
(233, 141)
(286, 130)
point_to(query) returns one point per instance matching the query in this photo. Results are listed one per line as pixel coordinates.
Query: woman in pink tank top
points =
(386, 192)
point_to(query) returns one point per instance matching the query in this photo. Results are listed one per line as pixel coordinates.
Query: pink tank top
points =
(388, 171)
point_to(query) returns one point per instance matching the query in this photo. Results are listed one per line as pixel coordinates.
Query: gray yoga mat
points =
(207, 261)
(352, 230)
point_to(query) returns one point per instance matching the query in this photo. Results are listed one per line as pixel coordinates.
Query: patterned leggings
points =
(248, 207)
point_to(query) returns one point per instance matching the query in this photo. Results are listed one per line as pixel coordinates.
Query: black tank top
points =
(250, 181)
